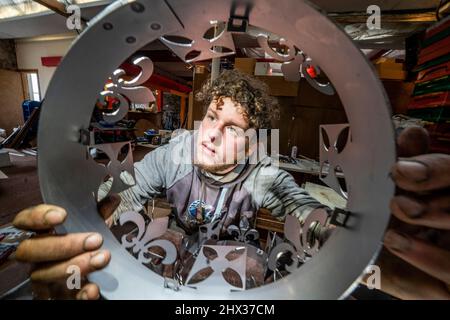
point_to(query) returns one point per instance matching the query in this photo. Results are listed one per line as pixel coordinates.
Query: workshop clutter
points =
(10, 237)
(390, 69)
(23, 136)
(431, 97)
(155, 137)
(28, 107)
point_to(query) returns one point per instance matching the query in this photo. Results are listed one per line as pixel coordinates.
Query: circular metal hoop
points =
(106, 44)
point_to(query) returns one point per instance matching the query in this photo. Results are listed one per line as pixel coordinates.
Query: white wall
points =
(29, 53)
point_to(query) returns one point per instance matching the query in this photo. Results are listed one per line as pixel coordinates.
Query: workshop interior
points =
(103, 98)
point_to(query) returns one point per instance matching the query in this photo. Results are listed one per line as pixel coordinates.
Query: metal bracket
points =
(243, 19)
(86, 137)
(171, 284)
(339, 217)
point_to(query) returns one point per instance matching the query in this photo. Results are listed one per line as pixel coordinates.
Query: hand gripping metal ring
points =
(117, 33)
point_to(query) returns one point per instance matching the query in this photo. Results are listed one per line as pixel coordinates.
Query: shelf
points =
(115, 128)
(143, 112)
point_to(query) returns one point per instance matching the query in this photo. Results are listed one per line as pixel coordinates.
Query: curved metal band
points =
(69, 103)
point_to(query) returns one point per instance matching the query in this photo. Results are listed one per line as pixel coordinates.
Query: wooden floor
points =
(21, 189)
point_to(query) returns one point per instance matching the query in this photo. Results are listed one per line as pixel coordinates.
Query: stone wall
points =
(8, 58)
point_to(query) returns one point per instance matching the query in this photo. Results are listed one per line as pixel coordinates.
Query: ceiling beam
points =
(58, 8)
(54, 5)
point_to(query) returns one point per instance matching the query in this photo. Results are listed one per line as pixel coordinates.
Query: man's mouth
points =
(209, 150)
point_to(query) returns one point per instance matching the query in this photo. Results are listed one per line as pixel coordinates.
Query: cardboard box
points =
(389, 74)
(262, 69)
(280, 87)
(246, 65)
(158, 209)
(390, 69)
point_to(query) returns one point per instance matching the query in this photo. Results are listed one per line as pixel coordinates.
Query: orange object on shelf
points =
(390, 69)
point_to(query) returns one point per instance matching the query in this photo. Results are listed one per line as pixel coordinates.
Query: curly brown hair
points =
(258, 107)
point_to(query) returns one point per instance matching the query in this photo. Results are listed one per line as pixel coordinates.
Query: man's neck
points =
(227, 175)
(224, 172)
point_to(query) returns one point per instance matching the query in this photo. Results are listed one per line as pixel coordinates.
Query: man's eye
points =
(210, 117)
(232, 130)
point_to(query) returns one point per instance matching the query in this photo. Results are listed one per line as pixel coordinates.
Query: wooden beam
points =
(55, 6)
(159, 55)
(58, 8)
(183, 114)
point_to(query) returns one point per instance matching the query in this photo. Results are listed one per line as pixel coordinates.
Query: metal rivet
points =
(130, 39)
(155, 26)
(107, 26)
(137, 7)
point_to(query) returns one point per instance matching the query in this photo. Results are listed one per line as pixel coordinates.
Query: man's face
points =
(221, 140)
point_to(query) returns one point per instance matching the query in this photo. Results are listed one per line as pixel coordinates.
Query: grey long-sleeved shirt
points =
(169, 171)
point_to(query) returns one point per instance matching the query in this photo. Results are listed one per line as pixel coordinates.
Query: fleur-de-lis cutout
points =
(272, 241)
(292, 61)
(325, 88)
(132, 90)
(122, 172)
(317, 216)
(219, 259)
(196, 42)
(243, 233)
(97, 174)
(295, 64)
(335, 144)
(296, 233)
(292, 229)
(142, 242)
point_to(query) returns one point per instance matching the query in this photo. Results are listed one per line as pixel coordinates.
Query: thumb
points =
(108, 205)
(412, 141)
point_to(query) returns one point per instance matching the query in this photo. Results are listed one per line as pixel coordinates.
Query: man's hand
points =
(53, 254)
(417, 263)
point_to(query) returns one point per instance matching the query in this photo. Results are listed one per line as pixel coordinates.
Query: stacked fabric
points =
(431, 96)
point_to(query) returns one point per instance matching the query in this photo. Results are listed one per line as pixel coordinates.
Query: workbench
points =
(19, 191)
(304, 166)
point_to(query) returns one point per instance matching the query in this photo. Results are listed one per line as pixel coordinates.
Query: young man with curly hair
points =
(209, 175)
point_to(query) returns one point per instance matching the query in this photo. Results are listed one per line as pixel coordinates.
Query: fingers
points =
(89, 292)
(87, 262)
(432, 212)
(430, 259)
(108, 205)
(41, 217)
(54, 248)
(59, 289)
(422, 173)
(403, 281)
(413, 141)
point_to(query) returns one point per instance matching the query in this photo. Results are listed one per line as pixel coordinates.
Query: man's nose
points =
(215, 135)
